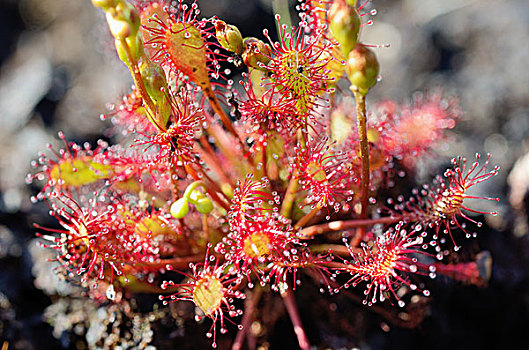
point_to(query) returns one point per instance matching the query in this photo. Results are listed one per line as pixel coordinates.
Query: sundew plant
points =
(231, 194)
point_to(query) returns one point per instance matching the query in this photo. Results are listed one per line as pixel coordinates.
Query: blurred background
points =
(58, 71)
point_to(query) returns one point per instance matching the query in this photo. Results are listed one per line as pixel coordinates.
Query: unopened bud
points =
(362, 69)
(119, 28)
(201, 201)
(256, 53)
(204, 205)
(180, 208)
(135, 46)
(104, 4)
(344, 23)
(123, 20)
(195, 195)
(229, 37)
(155, 83)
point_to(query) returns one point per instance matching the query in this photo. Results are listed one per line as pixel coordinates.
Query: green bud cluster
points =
(254, 52)
(361, 66)
(180, 207)
(124, 23)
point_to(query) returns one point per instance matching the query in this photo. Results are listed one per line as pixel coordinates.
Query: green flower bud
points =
(195, 196)
(204, 205)
(180, 208)
(154, 80)
(229, 37)
(123, 20)
(135, 44)
(119, 28)
(227, 190)
(344, 23)
(104, 4)
(131, 14)
(362, 69)
(255, 52)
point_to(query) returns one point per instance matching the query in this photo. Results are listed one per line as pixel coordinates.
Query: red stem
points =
(364, 153)
(264, 159)
(214, 102)
(178, 262)
(292, 309)
(210, 158)
(249, 308)
(334, 226)
(305, 219)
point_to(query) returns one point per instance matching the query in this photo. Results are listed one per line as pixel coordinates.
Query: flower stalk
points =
(361, 117)
(293, 312)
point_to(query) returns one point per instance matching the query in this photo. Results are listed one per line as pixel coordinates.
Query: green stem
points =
(290, 196)
(193, 187)
(138, 81)
(280, 7)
